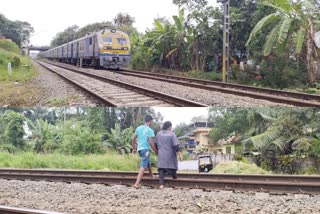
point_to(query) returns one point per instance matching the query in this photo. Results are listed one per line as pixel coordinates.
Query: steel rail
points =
(14, 210)
(224, 182)
(234, 177)
(177, 101)
(90, 92)
(291, 98)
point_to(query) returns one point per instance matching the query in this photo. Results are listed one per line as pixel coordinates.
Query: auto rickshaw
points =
(205, 163)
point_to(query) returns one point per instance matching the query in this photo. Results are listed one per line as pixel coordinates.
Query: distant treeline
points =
(18, 31)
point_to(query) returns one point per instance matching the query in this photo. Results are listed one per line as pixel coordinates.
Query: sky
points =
(179, 115)
(48, 17)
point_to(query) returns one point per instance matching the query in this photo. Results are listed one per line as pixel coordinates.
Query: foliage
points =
(73, 130)
(108, 162)
(280, 134)
(235, 167)
(19, 32)
(78, 139)
(11, 129)
(122, 22)
(292, 29)
(22, 68)
(200, 149)
(186, 42)
(282, 73)
(118, 140)
(9, 46)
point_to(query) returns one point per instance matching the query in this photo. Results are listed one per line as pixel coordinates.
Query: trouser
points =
(163, 172)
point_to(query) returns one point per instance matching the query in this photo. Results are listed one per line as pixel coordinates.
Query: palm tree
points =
(40, 134)
(293, 24)
(283, 128)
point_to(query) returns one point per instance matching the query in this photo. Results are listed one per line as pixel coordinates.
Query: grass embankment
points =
(109, 162)
(15, 90)
(235, 167)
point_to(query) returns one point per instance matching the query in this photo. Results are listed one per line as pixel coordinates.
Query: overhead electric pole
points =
(226, 38)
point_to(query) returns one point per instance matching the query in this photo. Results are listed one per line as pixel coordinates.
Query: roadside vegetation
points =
(73, 138)
(15, 87)
(22, 69)
(235, 167)
(279, 139)
(111, 161)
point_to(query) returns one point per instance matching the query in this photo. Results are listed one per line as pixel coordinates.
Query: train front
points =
(114, 49)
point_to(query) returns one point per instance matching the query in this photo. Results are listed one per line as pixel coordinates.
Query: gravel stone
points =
(211, 98)
(55, 89)
(81, 198)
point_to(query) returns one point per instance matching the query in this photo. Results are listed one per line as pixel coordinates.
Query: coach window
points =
(122, 41)
(107, 40)
(90, 41)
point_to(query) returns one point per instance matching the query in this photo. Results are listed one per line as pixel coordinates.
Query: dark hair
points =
(148, 118)
(166, 125)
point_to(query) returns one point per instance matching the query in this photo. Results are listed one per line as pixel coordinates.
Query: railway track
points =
(14, 210)
(116, 93)
(291, 98)
(258, 183)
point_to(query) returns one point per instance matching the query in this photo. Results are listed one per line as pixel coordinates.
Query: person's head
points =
(167, 126)
(148, 119)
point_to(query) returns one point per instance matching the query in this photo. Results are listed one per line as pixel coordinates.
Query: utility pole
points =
(226, 38)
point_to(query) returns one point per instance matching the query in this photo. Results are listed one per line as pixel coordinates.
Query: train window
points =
(107, 40)
(122, 41)
(90, 41)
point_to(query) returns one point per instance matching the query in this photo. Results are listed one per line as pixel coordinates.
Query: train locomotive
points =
(107, 48)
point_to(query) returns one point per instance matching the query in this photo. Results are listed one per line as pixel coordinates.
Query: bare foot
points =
(137, 186)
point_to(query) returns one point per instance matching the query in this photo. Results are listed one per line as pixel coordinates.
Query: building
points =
(201, 136)
(229, 146)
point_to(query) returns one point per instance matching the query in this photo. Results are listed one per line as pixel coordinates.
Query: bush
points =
(214, 76)
(235, 167)
(16, 61)
(283, 73)
(9, 46)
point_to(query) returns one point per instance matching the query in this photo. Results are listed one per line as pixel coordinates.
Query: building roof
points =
(201, 125)
(229, 140)
(201, 130)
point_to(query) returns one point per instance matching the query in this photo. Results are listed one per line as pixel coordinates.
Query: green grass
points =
(22, 69)
(235, 167)
(55, 102)
(109, 162)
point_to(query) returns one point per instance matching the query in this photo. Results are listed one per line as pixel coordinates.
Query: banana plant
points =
(293, 26)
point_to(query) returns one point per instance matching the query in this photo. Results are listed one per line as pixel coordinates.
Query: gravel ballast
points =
(211, 98)
(81, 198)
(56, 91)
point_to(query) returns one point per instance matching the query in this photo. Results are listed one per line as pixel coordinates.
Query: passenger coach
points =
(107, 48)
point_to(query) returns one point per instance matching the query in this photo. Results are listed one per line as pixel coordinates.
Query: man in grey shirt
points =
(167, 145)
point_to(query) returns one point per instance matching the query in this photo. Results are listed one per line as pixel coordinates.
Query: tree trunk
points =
(310, 61)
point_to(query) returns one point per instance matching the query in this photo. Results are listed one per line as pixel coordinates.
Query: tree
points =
(191, 4)
(11, 129)
(41, 135)
(118, 140)
(123, 19)
(293, 24)
(18, 31)
(66, 36)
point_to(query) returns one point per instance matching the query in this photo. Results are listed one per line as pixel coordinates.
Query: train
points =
(107, 48)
